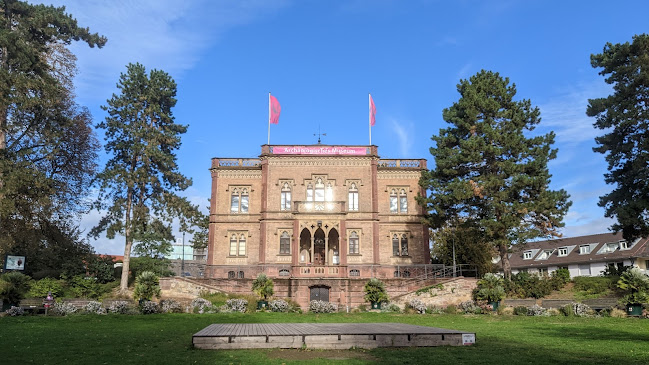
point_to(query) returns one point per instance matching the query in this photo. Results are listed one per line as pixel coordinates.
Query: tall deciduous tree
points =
(488, 173)
(139, 183)
(625, 116)
(47, 146)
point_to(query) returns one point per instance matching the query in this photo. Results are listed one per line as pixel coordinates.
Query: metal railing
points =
(400, 164)
(239, 162)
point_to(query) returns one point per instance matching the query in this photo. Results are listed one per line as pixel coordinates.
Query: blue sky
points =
(321, 58)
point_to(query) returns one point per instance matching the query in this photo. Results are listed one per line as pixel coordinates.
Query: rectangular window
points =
(285, 244)
(285, 200)
(584, 270)
(395, 245)
(353, 200)
(393, 204)
(611, 247)
(242, 246)
(403, 204)
(400, 244)
(624, 245)
(233, 246)
(244, 203)
(584, 249)
(353, 243)
(234, 204)
(319, 194)
(527, 255)
(563, 251)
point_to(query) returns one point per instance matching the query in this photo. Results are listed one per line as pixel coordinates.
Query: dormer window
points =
(545, 254)
(584, 249)
(624, 245)
(610, 247)
(562, 251)
(527, 255)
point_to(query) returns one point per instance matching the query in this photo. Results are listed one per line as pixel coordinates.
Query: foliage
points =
(624, 116)
(470, 246)
(200, 305)
(559, 278)
(614, 271)
(170, 306)
(375, 291)
(635, 284)
(526, 285)
(94, 308)
(263, 286)
(279, 305)
(149, 307)
(470, 307)
(429, 289)
(537, 310)
(319, 306)
(47, 146)
(63, 308)
(490, 288)
(390, 308)
(137, 187)
(520, 310)
(237, 305)
(14, 286)
(15, 311)
(158, 265)
(450, 309)
(593, 286)
(488, 174)
(147, 286)
(40, 288)
(86, 287)
(618, 313)
(581, 310)
(119, 307)
(417, 305)
(102, 268)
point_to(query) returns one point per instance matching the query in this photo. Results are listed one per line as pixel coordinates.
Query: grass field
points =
(166, 339)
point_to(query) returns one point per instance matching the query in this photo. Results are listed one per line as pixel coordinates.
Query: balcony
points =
(236, 162)
(321, 271)
(310, 207)
(408, 164)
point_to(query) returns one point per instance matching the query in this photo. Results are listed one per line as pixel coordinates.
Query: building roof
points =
(603, 247)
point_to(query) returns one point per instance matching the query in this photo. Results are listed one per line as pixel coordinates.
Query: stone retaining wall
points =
(451, 292)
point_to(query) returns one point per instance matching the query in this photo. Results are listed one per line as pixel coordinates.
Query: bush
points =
(63, 308)
(390, 308)
(362, 307)
(170, 306)
(536, 310)
(490, 288)
(200, 305)
(237, 305)
(470, 307)
(433, 309)
(618, 313)
(450, 309)
(119, 307)
(375, 291)
(417, 305)
(505, 311)
(86, 287)
(94, 308)
(319, 306)
(279, 305)
(13, 287)
(526, 285)
(566, 310)
(595, 285)
(520, 310)
(147, 285)
(149, 307)
(15, 311)
(635, 284)
(40, 288)
(559, 278)
(263, 286)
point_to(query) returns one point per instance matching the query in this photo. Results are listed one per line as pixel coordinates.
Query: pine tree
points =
(139, 183)
(625, 116)
(488, 173)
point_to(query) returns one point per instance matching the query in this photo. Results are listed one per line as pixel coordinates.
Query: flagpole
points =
(269, 117)
(369, 120)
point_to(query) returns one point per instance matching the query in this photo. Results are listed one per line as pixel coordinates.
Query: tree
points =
(470, 247)
(488, 173)
(625, 116)
(139, 183)
(263, 286)
(47, 146)
(147, 285)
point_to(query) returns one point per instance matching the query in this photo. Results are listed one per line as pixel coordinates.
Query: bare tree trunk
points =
(123, 285)
(504, 259)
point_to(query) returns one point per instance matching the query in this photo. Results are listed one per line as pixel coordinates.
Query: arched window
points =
(242, 245)
(354, 272)
(405, 274)
(285, 202)
(284, 272)
(319, 190)
(404, 245)
(234, 201)
(395, 245)
(284, 244)
(403, 201)
(353, 197)
(240, 274)
(244, 200)
(394, 202)
(232, 274)
(233, 245)
(397, 274)
(239, 200)
(353, 243)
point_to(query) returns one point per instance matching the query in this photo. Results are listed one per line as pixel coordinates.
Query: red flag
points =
(372, 112)
(274, 109)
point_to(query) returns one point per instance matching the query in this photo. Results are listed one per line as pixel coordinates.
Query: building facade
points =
(317, 219)
(583, 255)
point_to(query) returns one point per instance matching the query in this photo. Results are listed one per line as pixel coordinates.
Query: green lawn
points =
(166, 339)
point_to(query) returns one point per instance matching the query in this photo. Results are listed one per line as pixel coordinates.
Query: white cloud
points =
(163, 34)
(464, 72)
(592, 226)
(404, 135)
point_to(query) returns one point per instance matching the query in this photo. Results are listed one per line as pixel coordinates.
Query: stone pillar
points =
(295, 247)
(326, 258)
(312, 248)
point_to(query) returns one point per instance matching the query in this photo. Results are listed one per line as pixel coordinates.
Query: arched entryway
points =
(333, 254)
(319, 245)
(305, 246)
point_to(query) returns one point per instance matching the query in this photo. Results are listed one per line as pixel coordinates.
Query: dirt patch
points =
(303, 355)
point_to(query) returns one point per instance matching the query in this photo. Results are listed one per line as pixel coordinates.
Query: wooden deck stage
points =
(326, 336)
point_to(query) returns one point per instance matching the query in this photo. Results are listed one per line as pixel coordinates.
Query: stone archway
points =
(305, 246)
(319, 247)
(333, 252)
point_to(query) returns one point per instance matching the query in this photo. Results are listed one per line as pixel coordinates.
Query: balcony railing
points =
(319, 207)
(401, 164)
(238, 162)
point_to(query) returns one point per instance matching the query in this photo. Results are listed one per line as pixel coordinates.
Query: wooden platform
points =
(326, 336)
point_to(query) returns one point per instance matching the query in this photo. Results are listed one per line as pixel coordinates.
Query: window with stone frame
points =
(239, 200)
(354, 243)
(285, 199)
(285, 243)
(237, 244)
(398, 200)
(400, 244)
(353, 198)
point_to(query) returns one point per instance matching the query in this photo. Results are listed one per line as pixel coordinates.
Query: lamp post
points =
(182, 260)
(454, 267)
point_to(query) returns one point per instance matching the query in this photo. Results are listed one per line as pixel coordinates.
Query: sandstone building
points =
(318, 219)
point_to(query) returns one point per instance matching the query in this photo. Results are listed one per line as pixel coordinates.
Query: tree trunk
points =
(123, 285)
(504, 259)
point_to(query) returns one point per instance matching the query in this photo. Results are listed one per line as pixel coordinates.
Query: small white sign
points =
(15, 262)
(468, 338)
